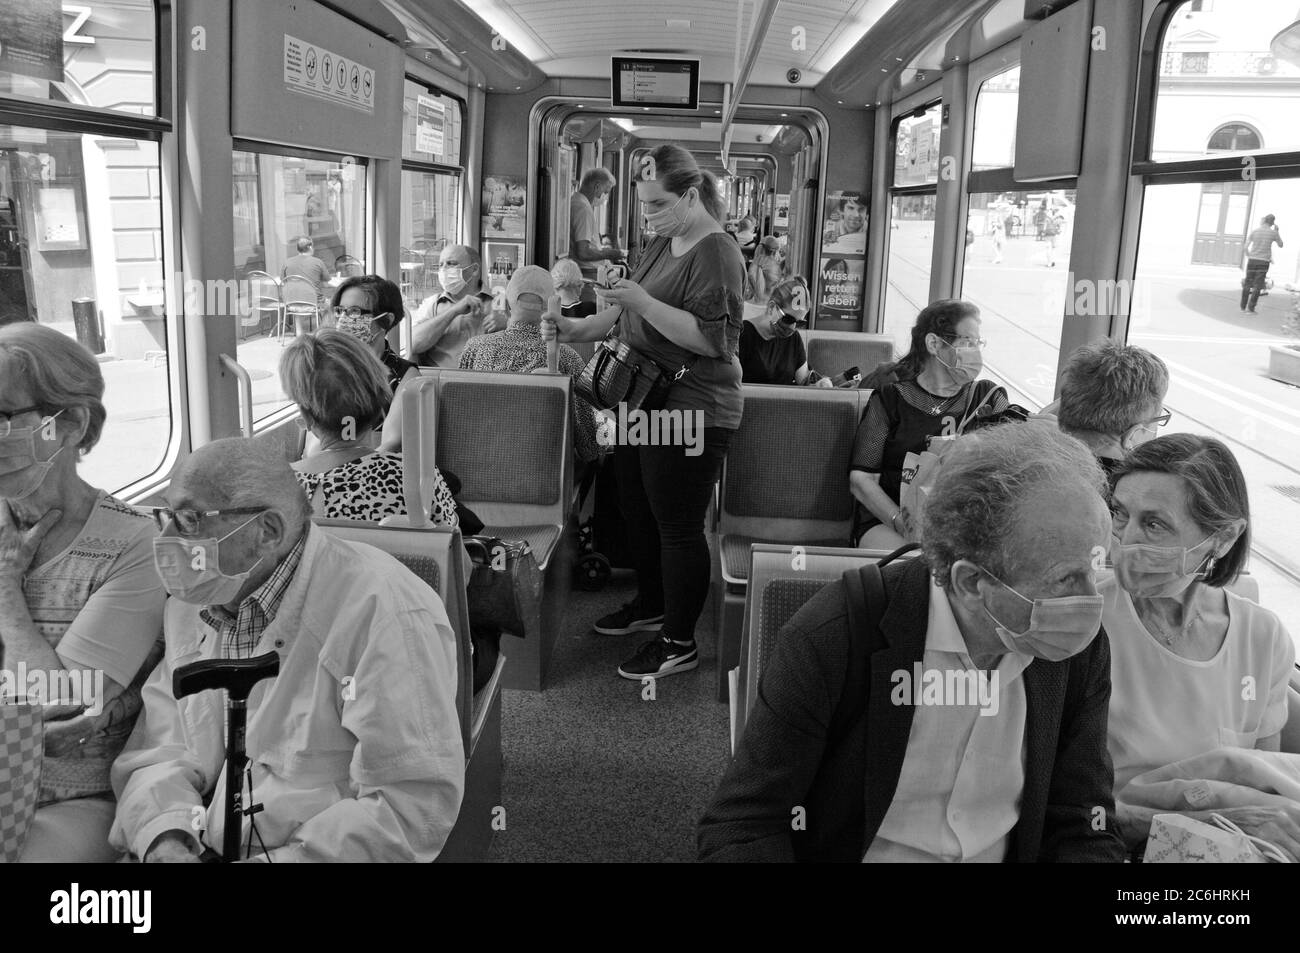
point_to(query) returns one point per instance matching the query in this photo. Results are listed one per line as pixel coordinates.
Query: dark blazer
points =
(784, 762)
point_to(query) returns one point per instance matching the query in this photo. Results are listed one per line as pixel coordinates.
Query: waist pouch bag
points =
(505, 587)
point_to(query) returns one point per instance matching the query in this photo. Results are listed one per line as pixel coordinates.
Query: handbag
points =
(1177, 839)
(505, 586)
(22, 753)
(619, 374)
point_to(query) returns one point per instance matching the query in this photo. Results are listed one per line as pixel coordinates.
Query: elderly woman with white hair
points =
(520, 349)
(342, 395)
(80, 601)
(567, 277)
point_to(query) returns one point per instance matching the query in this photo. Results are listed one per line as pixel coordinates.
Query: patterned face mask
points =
(365, 329)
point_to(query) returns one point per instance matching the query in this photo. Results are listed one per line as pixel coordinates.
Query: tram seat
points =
(785, 480)
(1291, 730)
(509, 437)
(833, 352)
(435, 554)
(777, 590)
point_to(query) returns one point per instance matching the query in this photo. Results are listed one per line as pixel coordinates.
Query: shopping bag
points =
(1178, 839)
(920, 472)
(22, 751)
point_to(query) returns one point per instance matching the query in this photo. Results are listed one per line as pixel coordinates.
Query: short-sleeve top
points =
(370, 489)
(900, 419)
(99, 605)
(1164, 708)
(582, 227)
(1259, 245)
(774, 361)
(709, 282)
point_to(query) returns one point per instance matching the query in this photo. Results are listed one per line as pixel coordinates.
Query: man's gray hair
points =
(592, 176)
(1107, 386)
(972, 510)
(239, 471)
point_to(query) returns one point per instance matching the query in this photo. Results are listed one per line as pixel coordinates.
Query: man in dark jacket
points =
(971, 726)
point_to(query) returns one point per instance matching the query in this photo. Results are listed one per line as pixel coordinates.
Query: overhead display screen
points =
(667, 84)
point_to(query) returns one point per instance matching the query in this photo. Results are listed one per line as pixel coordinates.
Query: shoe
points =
(1252, 311)
(660, 657)
(627, 620)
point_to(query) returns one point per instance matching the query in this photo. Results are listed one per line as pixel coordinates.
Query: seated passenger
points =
(567, 278)
(771, 350)
(1185, 648)
(80, 601)
(932, 390)
(1112, 398)
(355, 747)
(520, 349)
(368, 307)
(1007, 760)
(445, 321)
(341, 392)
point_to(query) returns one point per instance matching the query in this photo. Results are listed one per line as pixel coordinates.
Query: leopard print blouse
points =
(370, 489)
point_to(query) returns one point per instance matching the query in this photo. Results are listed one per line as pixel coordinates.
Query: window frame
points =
(159, 128)
(1220, 168)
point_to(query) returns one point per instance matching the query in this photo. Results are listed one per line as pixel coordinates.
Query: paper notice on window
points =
(31, 39)
(313, 70)
(429, 118)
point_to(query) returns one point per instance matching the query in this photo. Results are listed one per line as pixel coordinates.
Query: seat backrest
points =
(834, 352)
(509, 439)
(419, 447)
(436, 555)
(1291, 730)
(786, 475)
(295, 289)
(781, 579)
(264, 288)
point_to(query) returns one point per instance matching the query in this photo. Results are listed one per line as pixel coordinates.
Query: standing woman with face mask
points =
(1184, 649)
(933, 390)
(682, 308)
(80, 600)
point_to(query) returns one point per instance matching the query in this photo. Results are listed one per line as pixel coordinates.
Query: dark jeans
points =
(664, 495)
(1253, 283)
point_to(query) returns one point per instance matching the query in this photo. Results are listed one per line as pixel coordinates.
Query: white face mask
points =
(191, 568)
(18, 455)
(1151, 572)
(1058, 628)
(967, 362)
(669, 222)
(452, 278)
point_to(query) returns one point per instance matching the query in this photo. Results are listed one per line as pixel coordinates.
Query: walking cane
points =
(237, 677)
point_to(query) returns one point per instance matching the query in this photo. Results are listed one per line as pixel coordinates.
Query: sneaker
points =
(660, 657)
(627, 620)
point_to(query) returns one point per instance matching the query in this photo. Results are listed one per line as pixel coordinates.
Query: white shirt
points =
(582, 227)
(371, 769)
(958, 794)
(1164, 708)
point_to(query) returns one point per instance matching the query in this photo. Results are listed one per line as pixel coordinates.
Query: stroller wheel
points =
(593, 572)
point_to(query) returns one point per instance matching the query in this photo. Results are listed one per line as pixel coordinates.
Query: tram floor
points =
(598, 768)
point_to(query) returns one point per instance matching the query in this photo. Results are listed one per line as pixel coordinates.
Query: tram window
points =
(107, 57)
(916, 149)
(1232, 373)
(300, 229)
(1016, 269)
(996, 108)
(430, 222)
(1220, 56)
(81, 252)
(431, 125)
(907, 278)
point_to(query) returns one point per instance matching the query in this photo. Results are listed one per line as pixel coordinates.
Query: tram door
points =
(17, 300)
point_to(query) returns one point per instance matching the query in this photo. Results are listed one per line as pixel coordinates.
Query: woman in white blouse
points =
(1194, 667)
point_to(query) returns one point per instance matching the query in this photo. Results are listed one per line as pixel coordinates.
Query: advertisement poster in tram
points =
(781, 219)
(839, 307)
(845, 231)
(430, 115)
(505, 200)
(500, 260)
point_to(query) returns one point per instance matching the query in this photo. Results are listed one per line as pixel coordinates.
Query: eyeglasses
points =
(353, 312)
(969, 342)
(5, 418)
(787, 318)
(1161, 421)
(187, 521)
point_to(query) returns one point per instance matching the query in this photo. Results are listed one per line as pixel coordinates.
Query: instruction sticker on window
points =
(315, 71)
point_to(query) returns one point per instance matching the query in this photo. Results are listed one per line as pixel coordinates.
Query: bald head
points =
(239, 472)
(459, 255)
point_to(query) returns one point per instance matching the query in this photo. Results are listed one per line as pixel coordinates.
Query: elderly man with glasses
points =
(1112, 398)
(355, 748)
